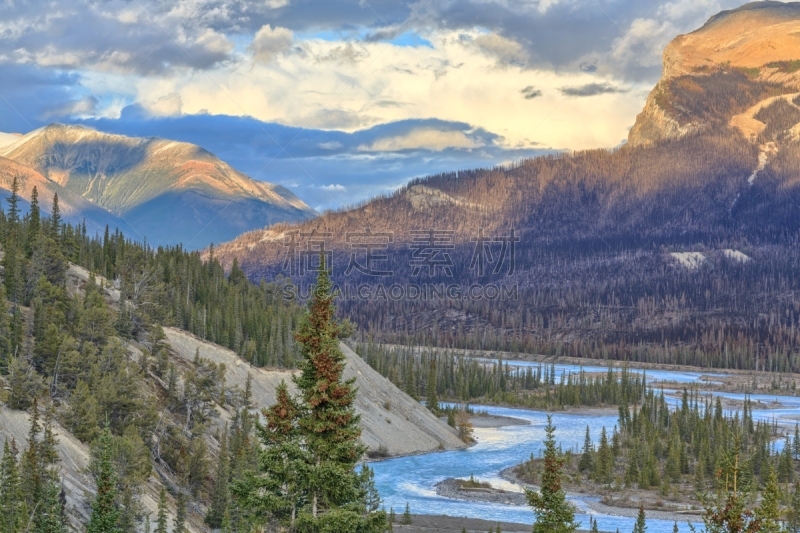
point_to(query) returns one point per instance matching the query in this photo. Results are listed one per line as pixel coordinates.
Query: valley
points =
(600, 340)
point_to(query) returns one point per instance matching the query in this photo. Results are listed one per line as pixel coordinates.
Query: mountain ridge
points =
(711, 171)
(154, 184)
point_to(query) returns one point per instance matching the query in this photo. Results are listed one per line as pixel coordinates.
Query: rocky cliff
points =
(737, 59)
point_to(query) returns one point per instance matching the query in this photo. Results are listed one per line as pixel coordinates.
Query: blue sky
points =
(342, 100)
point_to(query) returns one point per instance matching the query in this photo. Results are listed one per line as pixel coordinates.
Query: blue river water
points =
(413, 479)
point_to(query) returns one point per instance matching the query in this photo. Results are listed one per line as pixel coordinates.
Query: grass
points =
(751, 72)
(473, 483)
(786, 66)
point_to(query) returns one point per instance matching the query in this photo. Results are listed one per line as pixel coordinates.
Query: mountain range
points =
(162, 191)
(679, 244)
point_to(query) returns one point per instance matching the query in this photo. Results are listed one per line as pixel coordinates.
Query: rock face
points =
(754, 50)
(165, 191)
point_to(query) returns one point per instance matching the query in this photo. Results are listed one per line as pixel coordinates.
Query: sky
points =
(342, 100)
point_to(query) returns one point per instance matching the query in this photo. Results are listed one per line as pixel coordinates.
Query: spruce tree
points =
(12, 505)
(105, 516)
(796, 442)
(279, 489)
(553, 513)
(726, 511)
(768, 512)
(586, 462)
(328, 422)
(641, 525)
(793, 515)
(431, 400)
(161, 517)
(406, 518)
(34, 222)
(220, 496)
(179, 525)
(55, 219)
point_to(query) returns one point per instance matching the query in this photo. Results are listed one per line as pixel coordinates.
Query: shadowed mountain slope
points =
(681, 246)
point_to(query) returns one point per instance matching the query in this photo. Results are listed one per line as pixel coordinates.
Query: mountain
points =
(739, 59)
(165, 191)
(73, 207)
(678, 246)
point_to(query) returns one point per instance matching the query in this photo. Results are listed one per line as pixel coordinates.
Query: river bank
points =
(485, 420)
(622, 503)
(454, 524)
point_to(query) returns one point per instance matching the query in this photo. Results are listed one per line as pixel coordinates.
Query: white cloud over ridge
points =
(269, 42)
(422, 139)
(513, 75)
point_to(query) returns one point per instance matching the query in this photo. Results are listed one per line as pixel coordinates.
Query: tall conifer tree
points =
(105, 515)
(553, 513)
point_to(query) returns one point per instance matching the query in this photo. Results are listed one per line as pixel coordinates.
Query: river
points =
(412, 479)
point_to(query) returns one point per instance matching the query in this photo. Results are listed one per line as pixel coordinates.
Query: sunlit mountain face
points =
(344, 100)
(164, 192)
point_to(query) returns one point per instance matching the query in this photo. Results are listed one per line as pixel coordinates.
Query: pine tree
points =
(105, 516)
(796, 442)
(793, 515)
(220, 497)
(12, 508)
(594, 528)
(553, 513)
(406, 518)
(34, 222)
(179, 525)
(55, 219)
(641, 525)
(11, 262)
(279, 486)
(726, 512)
(328, 422)
(604, 463)
(49, 517)
(586, 462)
(768, 512)
(161, 520)
(431, 400)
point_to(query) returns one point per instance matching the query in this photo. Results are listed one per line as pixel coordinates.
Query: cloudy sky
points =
(342, 99)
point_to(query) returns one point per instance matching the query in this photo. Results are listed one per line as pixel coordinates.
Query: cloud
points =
(335, 187)
(590, 89)
(109, 36)
(331, 145)
(269, 42)
(315, 159)
(347, 53)
(31, 96)
(81, 107)
(530, 92)
(165, 106)
(506, 51)
(423, 139)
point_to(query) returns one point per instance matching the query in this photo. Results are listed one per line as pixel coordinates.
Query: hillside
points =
(104, 332)
(679, 246)
(148, 186)
(391, 421)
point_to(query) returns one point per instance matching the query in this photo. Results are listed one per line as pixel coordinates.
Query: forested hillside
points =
(680, 246)
(119, 432)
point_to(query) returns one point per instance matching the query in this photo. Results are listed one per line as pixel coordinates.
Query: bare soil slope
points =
(391, 421)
